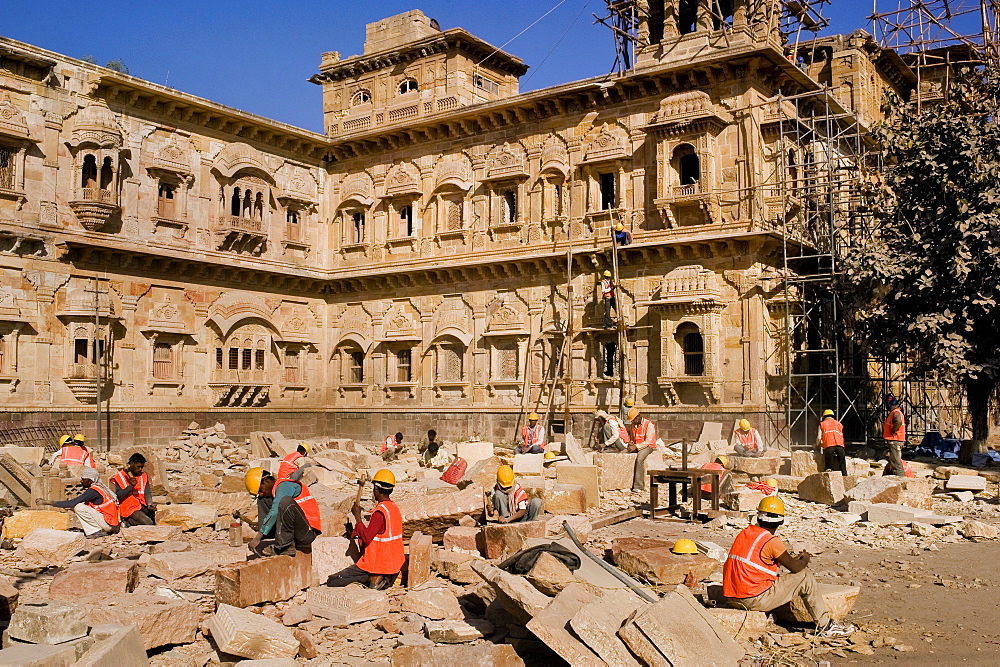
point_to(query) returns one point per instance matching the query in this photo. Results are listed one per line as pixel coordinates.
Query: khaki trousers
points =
(91, 520)
(895, 456)
(785, 589)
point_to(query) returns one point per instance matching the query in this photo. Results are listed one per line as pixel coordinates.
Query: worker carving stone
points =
(293, 520)
(609, 437)
(747, 440)
(510, 501)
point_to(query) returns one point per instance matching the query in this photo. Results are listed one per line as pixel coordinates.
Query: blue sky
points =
(256, 55)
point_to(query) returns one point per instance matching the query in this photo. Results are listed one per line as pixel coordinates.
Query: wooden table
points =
(692, 478)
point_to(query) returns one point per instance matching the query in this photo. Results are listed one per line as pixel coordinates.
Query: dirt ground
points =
(940, 606)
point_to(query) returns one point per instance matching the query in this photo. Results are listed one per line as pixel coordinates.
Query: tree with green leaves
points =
(924, 285)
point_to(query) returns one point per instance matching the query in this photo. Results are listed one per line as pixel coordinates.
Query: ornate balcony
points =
(241, 234)
(94, 207)
(82, 381)
(236, 388)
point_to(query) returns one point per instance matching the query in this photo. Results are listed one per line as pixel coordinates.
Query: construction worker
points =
(382, 536)
(610, 302)
(750, 578)
(830, 437)
(610, 436)
(134, 493)
(434, 455)
(510, 501)
(622, 235)
(721, 462)
(747, 440)
(643, 443)
(293, 518)
(392, 446)
(894, 436)
(532, 436)
(96, 507)
(290, 464)
(627, 405)
(74, 451)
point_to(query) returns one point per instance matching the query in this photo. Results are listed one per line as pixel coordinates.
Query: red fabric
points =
(747, 438)
(376, 524)
(288, 465)
(641, 429)
(832, 433)
(386, 553)
(531, 436)
(390, 441)
(455, 471)
(607, 287)
(745, 575)
(135, 500)
(76, 456)
(707, 488)
(622, 431)
(309, 507)
(907, 470)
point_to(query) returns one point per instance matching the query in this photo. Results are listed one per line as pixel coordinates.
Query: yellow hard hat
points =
(607, 274)
(619, 227)
(772, 482)
(771, 505)
(550, 455)
(63, 439)
(828, 413)
(633, 413)
(532, 415)
(385, 477)
(252, 480)
(744, 424)
(723, 459)
(505, 476)
(79, 437)
(629, 402)
(305, 446)
(685, 546)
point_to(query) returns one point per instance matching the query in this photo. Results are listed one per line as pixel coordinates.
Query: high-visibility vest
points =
(385, 553)
(607, 287)
(532, 436)
(307, 503)
(747, 438)
(620, 425)
(390, 441)
(887, 427)
(642, 432)
(288, 465)
(108, 507)
(744, 574)
(907, 470)
(832, 432)
(707, 488)
(137, 498)
(74, 455)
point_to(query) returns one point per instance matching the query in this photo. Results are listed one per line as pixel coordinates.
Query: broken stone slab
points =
(455, 565)
(124, 647)
(269, 579)
(499, 540)
(614, 470)
(875, 490)
(178, 565)
(584, 475)
(50, 547)
(8, 600)
(482, 474)
(161, 621)
(762, 465)
(170, 547)
(458, 632)
(331, 555)
(677, 630)
(885, 514)
(551, 625)
(788, 483)
(347, 605)
(450, 656)
(844, 519)
(978, 530)
(517, 596)
(744, 626)
(474, 452)
(805, 463)
(652, 561)
(966, 483)
(550, 575)
(840, 600)
(48, 622)
(462, 537)
(742, 500)
(419, 567)
(434, 514)
(109, 577)
(824, 487)
(937, 519)
(186, 516)
(598, 622)
(21, 522)
(529, 464)
(566, 499)
(38, 655)
(246, 634)
(963, 496)
(580, 524)
(147, 534)
(434, 602)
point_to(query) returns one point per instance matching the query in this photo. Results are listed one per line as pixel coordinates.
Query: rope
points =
(502, 46)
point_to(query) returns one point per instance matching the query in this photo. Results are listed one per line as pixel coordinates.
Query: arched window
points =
(234, 208)
(107, 174)
(449, 362)
(687, 16)
(686, 164)
(692, 348)
(258, 207)
(361, 97)
(89, 172)
(408, 86)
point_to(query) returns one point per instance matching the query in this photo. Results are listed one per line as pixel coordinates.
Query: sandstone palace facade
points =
(408, 268)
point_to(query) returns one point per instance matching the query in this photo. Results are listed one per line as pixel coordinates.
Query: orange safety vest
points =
(642, 430)
(622, 431)
(707, 488)
(747, 438)
(108, 506)
(744, 574)
(390, 441)
(832, 433)
(288, 466)
(887, 428)
(135, 500)
(531, 436)
(907, 470)
(74, 455)
(308, 505)
(607, 287)
(385, 554)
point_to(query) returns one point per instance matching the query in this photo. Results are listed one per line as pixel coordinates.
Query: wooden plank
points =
(617, 517)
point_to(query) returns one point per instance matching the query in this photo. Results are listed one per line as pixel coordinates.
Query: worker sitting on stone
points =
(510, 501)
(434, 454)
(382, 537)
(609, 436)
(96, 507)
(747, 441)
(391, 447)
(532, 436)
(750, 577)
(293, 518)
(622, 235)
(721, 462)
(643, 443)
(74, 452)
(134, 492)
(292, 463)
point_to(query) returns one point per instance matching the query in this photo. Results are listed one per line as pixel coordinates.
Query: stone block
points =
(551, 625)
(742, 500)
(450, 656)
(46, 546)
(788, 483)
(148, 534)
(805, 463)
(533, 486)
(858, 467)
(172, 546)
(584, 475)
(246, 634)
(566, 499)
(474, 452)
(187, 516)
(614, 470)
(482, 474)
(550, 575)
(432, 601)
(124, 647)
(37, 655)
(178, 565)
(529, 464)
(8, 600)
(759, 466)
(597, 624)
(331, 555)
(876, 490)
(419, 568)
(522, 600)
(47, 622)
(885, 514)
(824, 487)
(839, 601)
(432, 515)
(917, 500)
(844, 519)
(963, 496)
(574, 450)
(744, 626)
(160, 621)
(462, 537)
(263, 580)
(22, 522)
(456, 566)
(347, 605)
(580, 524)
(458, 632)
(937, 519)
(652, 561)
(978, 530)
(109, 577)
(677, 630)
(499, 540)
(25, 455)
(966, 483)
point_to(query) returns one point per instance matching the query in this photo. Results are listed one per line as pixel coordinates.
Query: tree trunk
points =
(979, 391)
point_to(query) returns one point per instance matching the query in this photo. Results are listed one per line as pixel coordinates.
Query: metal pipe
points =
(614, 571)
